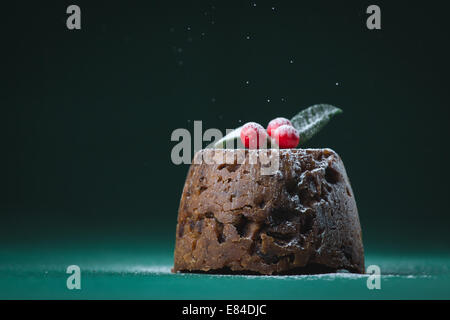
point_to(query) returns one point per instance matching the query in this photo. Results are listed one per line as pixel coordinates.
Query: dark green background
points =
(86, 116)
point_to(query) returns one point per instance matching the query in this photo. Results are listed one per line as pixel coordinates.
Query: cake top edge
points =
(211, 152)
(261, 150)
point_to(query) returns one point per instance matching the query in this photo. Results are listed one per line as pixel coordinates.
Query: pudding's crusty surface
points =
(302, 219)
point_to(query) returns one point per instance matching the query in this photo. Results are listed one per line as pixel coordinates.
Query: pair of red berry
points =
(254, 136)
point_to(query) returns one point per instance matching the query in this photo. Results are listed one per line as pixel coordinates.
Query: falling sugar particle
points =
(247, 37)
(337, 83)
(189, 28)
(247, 82)
(268, 100)
(254, 4)
(291, 62)
(282, 99)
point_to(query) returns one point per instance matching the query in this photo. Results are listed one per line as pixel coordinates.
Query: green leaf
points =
(227, 141)
(311, 120)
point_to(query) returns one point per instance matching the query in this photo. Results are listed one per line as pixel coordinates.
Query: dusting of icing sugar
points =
(279, 174)
(295, 198)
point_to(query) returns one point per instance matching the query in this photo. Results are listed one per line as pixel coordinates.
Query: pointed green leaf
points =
(229, 140)
(309, 121)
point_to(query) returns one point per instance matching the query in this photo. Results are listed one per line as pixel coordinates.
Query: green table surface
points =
(141, 272)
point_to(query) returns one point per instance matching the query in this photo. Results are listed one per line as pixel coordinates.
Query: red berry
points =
(286, 137)
(275, 123)
(253, 135)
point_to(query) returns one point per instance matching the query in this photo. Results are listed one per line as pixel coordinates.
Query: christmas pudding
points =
(301, 218)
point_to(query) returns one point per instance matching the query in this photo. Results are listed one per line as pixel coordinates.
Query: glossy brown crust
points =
(302, 219)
